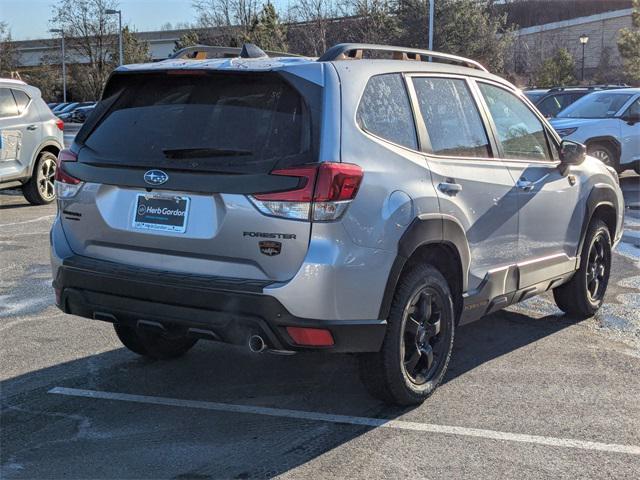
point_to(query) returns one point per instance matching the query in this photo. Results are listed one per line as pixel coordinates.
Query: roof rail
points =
(354, 51)
(204, 52)
(605, 86)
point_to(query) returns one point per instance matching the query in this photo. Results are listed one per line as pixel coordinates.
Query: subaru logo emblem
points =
(155, 177)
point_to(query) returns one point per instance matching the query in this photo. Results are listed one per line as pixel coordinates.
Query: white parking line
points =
(350, 420)
(33, 220)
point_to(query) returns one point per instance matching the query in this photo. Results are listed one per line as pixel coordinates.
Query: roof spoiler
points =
(204, 52)
(354, 51)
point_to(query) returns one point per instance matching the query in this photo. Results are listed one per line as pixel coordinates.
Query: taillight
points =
(59, 124)
(67, 186)
(323, 194)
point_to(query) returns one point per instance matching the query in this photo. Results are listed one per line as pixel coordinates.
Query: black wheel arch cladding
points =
(427, 229)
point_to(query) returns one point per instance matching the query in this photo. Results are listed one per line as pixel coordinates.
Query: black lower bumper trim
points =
(129, 295)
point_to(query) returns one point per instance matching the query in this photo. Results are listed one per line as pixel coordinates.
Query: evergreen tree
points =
(557, 70)
(134, 49)
(189, 39)
(266, 31)
(629, 46)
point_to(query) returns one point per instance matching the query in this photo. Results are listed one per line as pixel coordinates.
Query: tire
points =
(154, 345)
(583, 295)
(394, 375)
(39, 190)
(605, 154)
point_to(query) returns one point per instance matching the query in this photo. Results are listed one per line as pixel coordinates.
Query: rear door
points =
(473, 185)
(550, 213)
(171, 159)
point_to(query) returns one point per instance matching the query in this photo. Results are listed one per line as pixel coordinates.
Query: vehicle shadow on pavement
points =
(499, 334)
(49, 435)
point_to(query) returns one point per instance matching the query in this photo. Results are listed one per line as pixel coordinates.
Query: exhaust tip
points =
(256, 344)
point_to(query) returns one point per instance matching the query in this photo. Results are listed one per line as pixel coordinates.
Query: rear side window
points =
(22, 99)
(8, 107)
(212, 122)
(451, 117)
(634, 109)
(554, 104)
(521, 133)
(385, 111)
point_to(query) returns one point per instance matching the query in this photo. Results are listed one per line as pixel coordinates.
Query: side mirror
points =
(571, 153)
(632, 118)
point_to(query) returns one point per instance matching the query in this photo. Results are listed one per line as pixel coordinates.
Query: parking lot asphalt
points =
(529, 393)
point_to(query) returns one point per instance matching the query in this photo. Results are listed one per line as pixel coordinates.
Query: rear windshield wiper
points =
(178, 153)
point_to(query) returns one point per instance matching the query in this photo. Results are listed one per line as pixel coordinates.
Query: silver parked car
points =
(608, 123)
(30, 139)
(339, 204)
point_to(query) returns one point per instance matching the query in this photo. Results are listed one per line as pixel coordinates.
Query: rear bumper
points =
(226, 310)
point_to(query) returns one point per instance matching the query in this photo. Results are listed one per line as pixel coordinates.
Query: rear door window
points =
(385, 110)
(8, 107)
(452, 119)
(212, 122)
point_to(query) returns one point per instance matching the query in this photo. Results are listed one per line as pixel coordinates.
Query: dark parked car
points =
(61, 106)
(79, 115)
(551, 101)
(66, 113)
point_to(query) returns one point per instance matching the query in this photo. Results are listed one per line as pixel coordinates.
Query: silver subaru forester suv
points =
(368, 201)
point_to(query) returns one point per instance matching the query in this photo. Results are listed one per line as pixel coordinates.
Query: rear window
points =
(213, 122)
(385, 110)
(8, 107)
(22, 99)
(596, 105)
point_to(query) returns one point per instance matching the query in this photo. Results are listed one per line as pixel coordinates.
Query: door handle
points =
(524, 184)
(32, 127)
(450, 188)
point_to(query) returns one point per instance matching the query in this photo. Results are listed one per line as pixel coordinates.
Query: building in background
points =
(533, 44)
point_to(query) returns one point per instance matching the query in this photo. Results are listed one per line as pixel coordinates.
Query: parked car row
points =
(75, 112)
(551, 101)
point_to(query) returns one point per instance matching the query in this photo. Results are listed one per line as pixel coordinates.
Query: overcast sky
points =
(29, 19)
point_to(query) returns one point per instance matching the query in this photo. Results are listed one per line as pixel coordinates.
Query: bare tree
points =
(377, 20)
(8, 55)
(232, 19)
(315, 17)
(91, 36)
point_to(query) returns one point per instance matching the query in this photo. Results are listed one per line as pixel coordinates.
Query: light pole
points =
(431, 15)
(119, 12)
(583, 40)
(64, 64)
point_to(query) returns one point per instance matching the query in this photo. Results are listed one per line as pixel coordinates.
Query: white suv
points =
(608, 123)
(30, 139)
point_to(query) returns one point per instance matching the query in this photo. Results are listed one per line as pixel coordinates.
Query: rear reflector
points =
(60, 124)
(323, 193)
(311, 337)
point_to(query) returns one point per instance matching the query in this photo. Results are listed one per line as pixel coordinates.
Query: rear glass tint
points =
(212, 122)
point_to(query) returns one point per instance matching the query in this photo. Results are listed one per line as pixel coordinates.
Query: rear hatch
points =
(170, 161)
